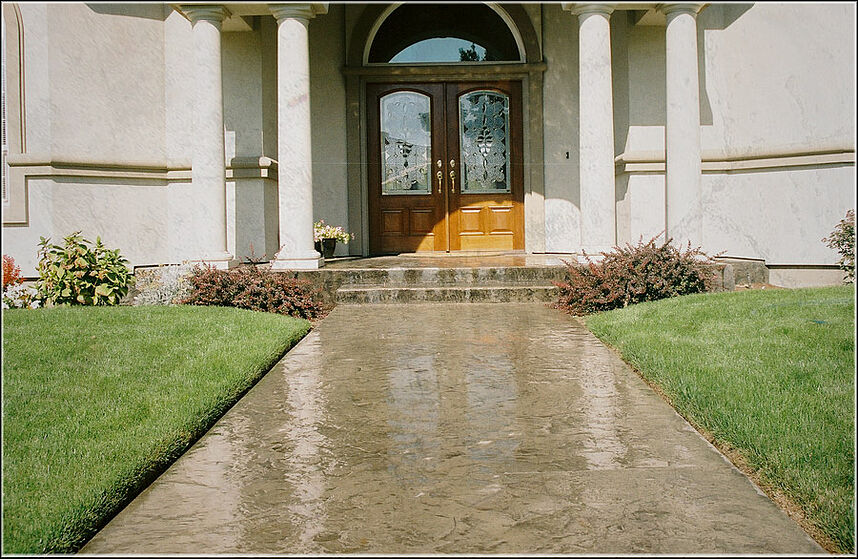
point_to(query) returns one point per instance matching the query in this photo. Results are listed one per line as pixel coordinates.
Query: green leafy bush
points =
(256, 289)
(842, 240)
(634, 274)
(79, 273)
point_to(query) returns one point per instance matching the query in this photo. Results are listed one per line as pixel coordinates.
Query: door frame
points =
(531, 77)
(460, 221)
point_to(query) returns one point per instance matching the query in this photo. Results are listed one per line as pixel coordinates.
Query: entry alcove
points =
(450, 43)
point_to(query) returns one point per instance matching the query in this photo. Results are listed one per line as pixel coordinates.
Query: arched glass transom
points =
(484, 142)
(406, 143)
(443, 33)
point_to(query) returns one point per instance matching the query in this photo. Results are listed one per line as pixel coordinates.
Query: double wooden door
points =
(445, 166)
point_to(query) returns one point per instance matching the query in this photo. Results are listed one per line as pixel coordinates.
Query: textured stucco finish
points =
(106, 77)
(562, 123)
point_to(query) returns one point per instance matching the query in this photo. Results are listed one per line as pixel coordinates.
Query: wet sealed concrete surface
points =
(479, 428)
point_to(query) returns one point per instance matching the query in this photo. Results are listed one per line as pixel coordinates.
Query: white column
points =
(684, 219)
(596, 128)
(295, 169)
(208, 159)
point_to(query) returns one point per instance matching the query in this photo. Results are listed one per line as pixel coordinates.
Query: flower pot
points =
(326, 247)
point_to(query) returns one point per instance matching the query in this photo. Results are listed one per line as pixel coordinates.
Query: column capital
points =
(580, 9)
(205, 12)
(305, 11)
(669, 8)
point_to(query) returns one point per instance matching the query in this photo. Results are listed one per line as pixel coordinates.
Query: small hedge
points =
(634, 274)
(80, 273)
(256, 289)
(842, 239)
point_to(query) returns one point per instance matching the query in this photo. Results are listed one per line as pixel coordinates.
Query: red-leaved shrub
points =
(256, 289)
(634, 274)
(842, 239)
(11, 272)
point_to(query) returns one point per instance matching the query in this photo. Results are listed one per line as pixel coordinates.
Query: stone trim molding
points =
(24, 168)
(446, 72)
(740, 163)
(16, 106)
(238, 167)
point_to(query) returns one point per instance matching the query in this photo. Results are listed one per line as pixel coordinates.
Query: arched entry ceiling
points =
(443, 33)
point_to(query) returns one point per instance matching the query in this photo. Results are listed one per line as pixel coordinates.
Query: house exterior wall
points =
(560, 114)
(777, 84)
(328, 114)
(110, 97)
(94, 126)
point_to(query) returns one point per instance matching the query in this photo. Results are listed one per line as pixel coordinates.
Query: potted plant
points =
(326, 237)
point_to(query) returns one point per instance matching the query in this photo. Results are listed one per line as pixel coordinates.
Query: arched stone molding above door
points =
(373, 16)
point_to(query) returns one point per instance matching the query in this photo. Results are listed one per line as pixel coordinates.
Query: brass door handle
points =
(440, 176)
(453, 175)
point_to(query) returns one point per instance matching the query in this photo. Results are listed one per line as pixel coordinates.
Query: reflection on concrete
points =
(305, 468)
(478, 428)
(602, 446)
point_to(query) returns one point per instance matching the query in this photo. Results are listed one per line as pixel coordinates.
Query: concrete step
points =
(354, 295)
(439, 276)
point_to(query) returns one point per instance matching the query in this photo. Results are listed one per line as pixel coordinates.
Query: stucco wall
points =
(775, 80)
(328, 114)
(778, 77)
(779, 216)
(560, 98)
(107, 82)
(128, 214)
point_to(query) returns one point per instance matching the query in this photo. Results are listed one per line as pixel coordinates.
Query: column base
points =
(283, 264)
(595, 251)
(221, 261)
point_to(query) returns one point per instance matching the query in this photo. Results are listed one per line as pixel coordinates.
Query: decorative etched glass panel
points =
(484, 141)
(406, 143)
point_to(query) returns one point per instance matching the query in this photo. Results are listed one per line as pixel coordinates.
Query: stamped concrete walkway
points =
(451, 429)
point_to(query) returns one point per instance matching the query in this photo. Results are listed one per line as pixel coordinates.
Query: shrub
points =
(634, 274)
(11, 272)
(253, 288)
(842, 239)
(79, 274)
(164, 285)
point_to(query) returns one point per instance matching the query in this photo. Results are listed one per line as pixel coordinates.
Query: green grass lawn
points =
(97, 401)
(770, 376)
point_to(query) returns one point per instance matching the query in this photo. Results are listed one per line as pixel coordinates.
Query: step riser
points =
(347, 296)
(504, 284)
(431, 276)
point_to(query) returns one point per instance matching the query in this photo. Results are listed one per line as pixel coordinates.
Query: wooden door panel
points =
(486, 220)
(488, 216)
(422, 221)
(405, 221)
(500, 220)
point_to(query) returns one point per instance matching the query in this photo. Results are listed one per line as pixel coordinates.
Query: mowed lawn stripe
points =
(770, 376)
(97, 401)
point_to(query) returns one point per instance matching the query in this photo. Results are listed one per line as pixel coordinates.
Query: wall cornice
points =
(713, 163)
